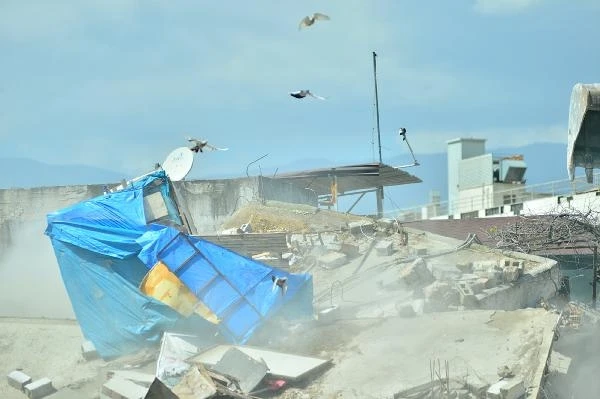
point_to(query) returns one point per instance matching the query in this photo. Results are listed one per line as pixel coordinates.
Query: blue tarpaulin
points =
(105, 247)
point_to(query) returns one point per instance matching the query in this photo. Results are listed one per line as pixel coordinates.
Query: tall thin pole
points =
(379, 193)
(594, 275)
(377, 103)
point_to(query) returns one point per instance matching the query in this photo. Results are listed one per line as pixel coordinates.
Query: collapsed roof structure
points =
(132, 272)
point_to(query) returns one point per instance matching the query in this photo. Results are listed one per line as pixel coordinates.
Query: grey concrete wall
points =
(211, 202)
(31, 285)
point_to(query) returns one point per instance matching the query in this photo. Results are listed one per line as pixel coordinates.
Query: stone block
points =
(39, 388)
(333, 246)
(417, 274)
(513, 389)
(384, 248)
(350, 249)
(88, 350)
(439, 295)
(362, 227)
(484, 266)
(332, 260)
(479, 285)
(18, 379)
(506, 389)
(120, 388)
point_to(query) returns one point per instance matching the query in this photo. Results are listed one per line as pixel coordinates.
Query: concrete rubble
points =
(398, 313)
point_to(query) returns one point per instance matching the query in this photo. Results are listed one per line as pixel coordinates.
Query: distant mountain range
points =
(545, 162)
(27, 173)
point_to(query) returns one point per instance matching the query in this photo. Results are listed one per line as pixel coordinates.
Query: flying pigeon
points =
(309, 20)
(199, 145)
(280, 282)
(304, 93)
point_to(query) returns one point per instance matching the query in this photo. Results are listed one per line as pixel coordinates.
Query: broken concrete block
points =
(511, 273)
(351, 250)
(39, 388)
(506, 389)
(384, 248)
(439, 295)
(362, 227)
(333, 246)
(479, 285)
(484, 266)
(467, 296)
(88, 350)
(332, 260)
(513, 389)
(417, 274)
(18, 379)
(120, 388)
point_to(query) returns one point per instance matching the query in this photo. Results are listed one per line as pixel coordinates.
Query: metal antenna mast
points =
(377, 104)
(379, 192)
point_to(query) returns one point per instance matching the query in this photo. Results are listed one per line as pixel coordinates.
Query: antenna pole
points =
(377, 103)
(379, 192)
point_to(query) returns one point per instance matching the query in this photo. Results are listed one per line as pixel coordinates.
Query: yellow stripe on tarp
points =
(162, 284)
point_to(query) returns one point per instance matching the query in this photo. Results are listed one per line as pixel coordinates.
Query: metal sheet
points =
(349, 178)
(280, 364)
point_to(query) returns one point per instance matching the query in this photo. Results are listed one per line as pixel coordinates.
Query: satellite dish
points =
(178, 163)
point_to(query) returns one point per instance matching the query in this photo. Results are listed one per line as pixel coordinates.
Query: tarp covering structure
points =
(105, 247)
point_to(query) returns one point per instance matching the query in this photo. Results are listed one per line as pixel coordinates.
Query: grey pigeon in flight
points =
(310, 20)
(200, 145)
(304, 93)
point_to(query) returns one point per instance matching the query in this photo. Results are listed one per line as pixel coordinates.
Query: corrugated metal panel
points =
(350, 178)
(252, 243)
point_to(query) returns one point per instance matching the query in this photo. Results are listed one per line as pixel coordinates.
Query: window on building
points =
(469, 215)
(516, 209)
(509, 199)
(492, 211)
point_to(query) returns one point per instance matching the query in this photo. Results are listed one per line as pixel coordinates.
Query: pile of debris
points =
(184, 371)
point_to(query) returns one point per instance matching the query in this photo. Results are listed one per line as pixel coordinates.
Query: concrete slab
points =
(248, 371)
(280, 364)
(475, 343)
(119, 388)
(88, 350)
(18, 379)
(39, 388)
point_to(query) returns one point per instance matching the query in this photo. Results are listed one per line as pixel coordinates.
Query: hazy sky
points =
(119, 83)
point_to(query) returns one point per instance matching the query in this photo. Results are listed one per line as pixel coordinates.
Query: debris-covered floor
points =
(398, 313)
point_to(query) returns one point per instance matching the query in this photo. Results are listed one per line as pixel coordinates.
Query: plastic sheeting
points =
(105, 248)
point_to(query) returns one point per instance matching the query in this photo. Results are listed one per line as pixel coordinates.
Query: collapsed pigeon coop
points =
(132, 272)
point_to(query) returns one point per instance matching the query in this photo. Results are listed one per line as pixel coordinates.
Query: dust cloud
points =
(31, 281)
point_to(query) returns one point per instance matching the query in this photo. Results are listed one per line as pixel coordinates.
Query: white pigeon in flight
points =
(200, 145)
(303, 93)
(310, 20)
